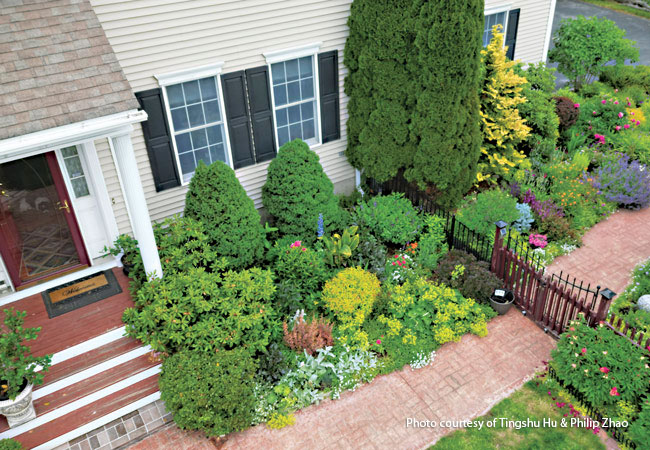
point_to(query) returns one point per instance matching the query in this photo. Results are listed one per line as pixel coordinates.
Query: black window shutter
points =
(328, 73)
(158, 139)
(237, 115)
(511, 32)
(261, 112)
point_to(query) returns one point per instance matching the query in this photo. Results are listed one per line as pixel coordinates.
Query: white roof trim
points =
(497, 9)
(292, 53)
(75, 133)
(194, 73)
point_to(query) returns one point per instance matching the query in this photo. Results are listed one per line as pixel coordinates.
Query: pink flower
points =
(604, 370)
(616, 101)
(620, 115)
(393, 262)
(584, 350)
(296, 244)
(576, 105)
(304, 249)
(629, 104)
(618, 127)
(378, 341)
(638, 122)
(614, 392)
(594, 113)
(626, 126)
(573, 365)
(604, 102)
(396, 256)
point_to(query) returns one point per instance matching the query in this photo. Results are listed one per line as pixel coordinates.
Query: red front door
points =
(39, 234)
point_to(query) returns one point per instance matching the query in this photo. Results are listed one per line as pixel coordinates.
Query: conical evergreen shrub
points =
(297, 191)
(231, 221)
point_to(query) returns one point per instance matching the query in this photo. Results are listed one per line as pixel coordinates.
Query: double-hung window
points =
(498, 18)
(197, 122)
(295, 95)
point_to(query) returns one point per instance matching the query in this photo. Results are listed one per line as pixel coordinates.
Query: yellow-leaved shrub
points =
(502, 126)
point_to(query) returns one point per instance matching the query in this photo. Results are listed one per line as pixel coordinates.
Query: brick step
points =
(61, 397)
(88, 413)
(90, 358)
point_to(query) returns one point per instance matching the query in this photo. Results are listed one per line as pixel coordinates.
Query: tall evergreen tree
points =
(380, 57)
(446, 120)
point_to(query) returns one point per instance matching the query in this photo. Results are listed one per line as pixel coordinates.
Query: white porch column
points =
(136, 203)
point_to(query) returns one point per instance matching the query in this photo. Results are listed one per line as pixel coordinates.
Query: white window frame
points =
(277, 56)
(496, 10)
(192, 74)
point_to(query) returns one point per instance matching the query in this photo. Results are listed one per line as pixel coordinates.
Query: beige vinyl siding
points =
(113, 185)
(153, 37)
(533, 25)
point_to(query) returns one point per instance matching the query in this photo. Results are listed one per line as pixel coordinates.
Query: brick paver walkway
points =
(466, 379)
(610, 251)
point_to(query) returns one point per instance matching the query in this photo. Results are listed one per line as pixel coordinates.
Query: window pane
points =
(306, 67)
(80, 187)
(73, 166)
(69, 151)
(218, 153)
(307, 88)
(281, 118)
(208, 88)
(283, 136)
(175, 96)
(187, 164)
(295, 131)
(199, 139)
(308, 130)
(293, 91)
(215, 134)
(183, 142)
(212, 112)
(202, 155)
(307, 110)
(179, 119)
(280, 94)
(192, 94)
(292, 70)
(294, 114)
(277, 71)
(196, 115)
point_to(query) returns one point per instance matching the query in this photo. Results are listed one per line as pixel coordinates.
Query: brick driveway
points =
(465, 381)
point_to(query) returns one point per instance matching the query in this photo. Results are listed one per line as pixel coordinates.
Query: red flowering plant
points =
(399, 268)
(604, 367)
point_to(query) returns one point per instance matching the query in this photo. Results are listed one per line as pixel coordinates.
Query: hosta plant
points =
(339, 248)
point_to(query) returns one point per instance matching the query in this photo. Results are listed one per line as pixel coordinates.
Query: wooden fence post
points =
(606, 296)
(540, 300)
(498, 243)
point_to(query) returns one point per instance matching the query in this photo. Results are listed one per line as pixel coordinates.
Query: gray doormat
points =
(70, 296)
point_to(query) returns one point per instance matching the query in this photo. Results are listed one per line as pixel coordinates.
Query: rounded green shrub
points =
(391, 218)
(209, 391)
(231, 221)
(10, 444)
(297, 191)
(481, 213)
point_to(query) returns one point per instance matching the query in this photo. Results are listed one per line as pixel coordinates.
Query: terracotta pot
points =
(19, 410)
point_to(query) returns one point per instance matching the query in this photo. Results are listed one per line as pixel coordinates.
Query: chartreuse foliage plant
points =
(17, 364)
(231, 221)
(381, 61)
(446, 119)
(212, 392)
(10, 444)
(584, 46)
(205, 311)
(392, 218)
(502, 126)
(602, 366)
(349, 297)
(297, 191)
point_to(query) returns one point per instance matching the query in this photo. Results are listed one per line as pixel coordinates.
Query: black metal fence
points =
(459, 236)
(593, 412)
(517, 243)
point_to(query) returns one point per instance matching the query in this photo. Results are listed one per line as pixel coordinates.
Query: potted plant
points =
(126, 246)
(19, 369)
(501, 300)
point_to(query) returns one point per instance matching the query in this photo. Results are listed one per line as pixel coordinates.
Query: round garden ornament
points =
(644, 303)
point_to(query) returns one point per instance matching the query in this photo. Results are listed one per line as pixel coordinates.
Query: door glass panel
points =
(75, 171)
(33, 227)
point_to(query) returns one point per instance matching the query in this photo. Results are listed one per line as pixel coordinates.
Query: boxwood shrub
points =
(392, 218)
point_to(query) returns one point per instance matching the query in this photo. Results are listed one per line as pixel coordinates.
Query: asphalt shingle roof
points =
(56, 67)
